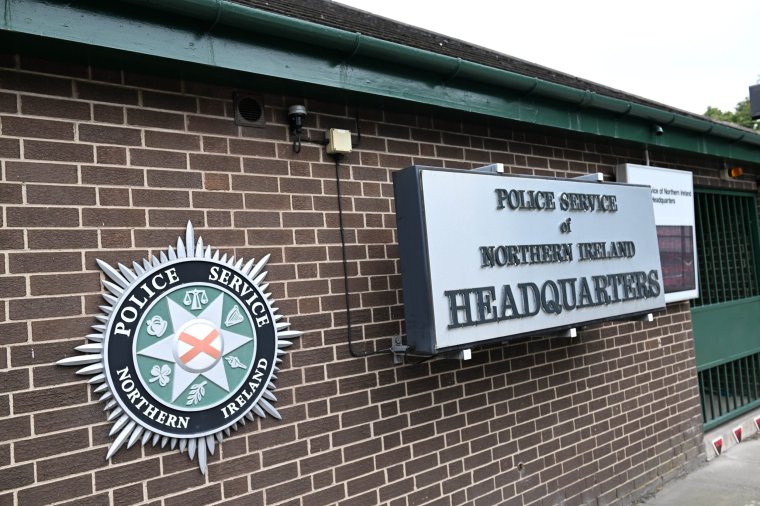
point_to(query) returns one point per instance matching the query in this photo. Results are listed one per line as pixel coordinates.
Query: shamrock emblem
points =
(160, 374)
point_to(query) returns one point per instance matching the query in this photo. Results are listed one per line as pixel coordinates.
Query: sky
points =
(688, 55)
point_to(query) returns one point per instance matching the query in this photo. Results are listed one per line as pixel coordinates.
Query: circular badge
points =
(188, 350)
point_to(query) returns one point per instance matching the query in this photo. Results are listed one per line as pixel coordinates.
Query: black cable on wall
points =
(349, 327)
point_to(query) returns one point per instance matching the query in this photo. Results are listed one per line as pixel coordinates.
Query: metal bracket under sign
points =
(399, 350)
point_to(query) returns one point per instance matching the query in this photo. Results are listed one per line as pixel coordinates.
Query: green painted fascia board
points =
(225, 35)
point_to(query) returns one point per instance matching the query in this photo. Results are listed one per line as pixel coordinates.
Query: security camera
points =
(296, 116)
(657, 130)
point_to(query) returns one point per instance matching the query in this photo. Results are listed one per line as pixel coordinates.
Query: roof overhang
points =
(225, 35)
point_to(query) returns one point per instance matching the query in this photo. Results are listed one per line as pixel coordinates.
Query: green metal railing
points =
(730, 389)
(726, 243)
(726, 316)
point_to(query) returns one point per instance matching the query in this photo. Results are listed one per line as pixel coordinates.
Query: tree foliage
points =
(739, 116)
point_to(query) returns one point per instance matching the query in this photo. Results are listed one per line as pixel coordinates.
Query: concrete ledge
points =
(725, 431)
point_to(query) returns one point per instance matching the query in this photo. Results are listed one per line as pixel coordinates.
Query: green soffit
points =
(225, 35)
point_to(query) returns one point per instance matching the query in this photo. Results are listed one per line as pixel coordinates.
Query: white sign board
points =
(673, 200)
(486, 257)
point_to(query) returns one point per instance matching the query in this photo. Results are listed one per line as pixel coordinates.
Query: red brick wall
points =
(102, 163)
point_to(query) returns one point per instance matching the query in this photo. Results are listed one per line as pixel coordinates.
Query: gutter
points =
(254, 44)
(243, 17)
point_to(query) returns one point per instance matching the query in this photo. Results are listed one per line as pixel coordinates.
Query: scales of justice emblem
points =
(186, 349)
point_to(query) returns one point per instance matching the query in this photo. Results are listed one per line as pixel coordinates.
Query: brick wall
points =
(111, 164)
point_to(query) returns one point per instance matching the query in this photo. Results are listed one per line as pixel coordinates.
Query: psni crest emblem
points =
(186, 349)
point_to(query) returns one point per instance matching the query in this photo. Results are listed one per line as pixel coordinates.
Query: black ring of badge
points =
(120, 354)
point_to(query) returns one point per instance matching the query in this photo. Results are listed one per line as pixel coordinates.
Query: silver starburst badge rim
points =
(92, 358)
